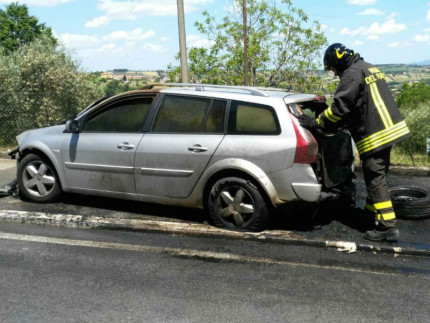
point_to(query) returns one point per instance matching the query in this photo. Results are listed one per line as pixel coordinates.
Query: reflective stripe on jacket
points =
(364, 103)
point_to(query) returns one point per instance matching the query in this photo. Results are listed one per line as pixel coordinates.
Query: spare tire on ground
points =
(412, 203)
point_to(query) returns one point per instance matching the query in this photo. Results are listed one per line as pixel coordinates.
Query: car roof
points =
(230, 92)
(250, 94)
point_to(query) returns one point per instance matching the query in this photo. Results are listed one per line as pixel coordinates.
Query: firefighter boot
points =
(383, 232)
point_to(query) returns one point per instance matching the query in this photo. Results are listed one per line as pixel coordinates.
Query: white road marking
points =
(189, 253)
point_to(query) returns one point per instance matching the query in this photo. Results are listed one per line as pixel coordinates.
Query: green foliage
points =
(18, 28)
(414, 103)
(412, 95)
(114, 87)
(282, 47)
(418, 120)
(41, 86)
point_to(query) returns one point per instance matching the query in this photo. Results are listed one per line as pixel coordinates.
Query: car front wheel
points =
(37, 179)
(237, 204)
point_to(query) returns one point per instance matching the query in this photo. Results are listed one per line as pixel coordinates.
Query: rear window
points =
(250, 118)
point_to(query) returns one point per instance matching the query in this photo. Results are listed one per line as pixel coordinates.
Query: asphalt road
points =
(332, 223)
(50, 274)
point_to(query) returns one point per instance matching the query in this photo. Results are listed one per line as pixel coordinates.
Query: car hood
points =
(40, 132)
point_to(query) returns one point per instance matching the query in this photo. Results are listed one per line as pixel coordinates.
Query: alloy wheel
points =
(235, 206)
(38, 178)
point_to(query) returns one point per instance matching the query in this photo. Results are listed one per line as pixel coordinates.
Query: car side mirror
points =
(72, 126)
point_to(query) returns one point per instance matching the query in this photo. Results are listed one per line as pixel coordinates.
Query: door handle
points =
(125, 146)
(197, 149)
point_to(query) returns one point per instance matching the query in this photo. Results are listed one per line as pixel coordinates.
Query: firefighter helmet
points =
(336, 57)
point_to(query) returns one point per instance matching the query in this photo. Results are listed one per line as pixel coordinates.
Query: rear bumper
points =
(307, 192)
(297, 183)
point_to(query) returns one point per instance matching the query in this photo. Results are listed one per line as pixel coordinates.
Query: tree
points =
(282, 47)
(412, 95)
(41, 85)
(18, 28)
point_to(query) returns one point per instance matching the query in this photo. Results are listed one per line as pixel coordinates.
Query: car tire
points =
(37, 179)
(410, 202)
(237, 204)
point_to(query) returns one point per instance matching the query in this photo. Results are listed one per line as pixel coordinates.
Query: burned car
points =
(237, 152)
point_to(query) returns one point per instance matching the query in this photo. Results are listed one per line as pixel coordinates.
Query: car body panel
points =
(47, 140)
(288, 183)
(171, 164)
(99, 161)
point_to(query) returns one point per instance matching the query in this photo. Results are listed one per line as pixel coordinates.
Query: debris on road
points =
(10, 189)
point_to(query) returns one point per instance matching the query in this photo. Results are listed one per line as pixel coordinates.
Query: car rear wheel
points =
(37, 179)
(237, 204)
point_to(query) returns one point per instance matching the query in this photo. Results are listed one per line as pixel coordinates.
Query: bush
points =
(412, 95)
(418, 121)
(40, 86)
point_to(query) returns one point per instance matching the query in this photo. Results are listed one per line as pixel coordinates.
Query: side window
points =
(123, 116)
(250, 118)
(181, 114)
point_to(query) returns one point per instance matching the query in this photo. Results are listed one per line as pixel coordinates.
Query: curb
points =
(194, 229)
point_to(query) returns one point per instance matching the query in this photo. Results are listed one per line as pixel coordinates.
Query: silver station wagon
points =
(238, 152)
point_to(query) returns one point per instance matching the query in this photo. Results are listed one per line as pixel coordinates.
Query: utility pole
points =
(182, 42)
(245, 46)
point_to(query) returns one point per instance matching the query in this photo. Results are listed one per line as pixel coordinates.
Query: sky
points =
(143, 34)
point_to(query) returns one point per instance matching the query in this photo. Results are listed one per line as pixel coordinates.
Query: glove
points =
(307, 122)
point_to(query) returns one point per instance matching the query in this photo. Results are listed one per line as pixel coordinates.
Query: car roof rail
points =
(257, 91)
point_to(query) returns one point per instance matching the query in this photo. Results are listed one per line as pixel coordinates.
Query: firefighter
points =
(364, 104)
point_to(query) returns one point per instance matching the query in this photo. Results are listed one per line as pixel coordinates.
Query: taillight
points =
(306, 147)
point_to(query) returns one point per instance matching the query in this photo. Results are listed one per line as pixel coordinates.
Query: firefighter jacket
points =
(363, 102)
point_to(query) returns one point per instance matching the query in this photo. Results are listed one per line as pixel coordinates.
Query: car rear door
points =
(184, 135)
(101, 156)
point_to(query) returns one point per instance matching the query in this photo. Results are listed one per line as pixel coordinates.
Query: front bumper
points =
(14, 154)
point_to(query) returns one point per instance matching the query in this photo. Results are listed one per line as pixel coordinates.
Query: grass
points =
(399, 158)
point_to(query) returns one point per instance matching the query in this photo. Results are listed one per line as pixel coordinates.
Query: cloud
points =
(164, 39)
(97, 22)
(133, 35)
(388, 27)
(136, 9)
(373, 37)
(38, 3)
(198, 41)
(428, 16)
(107, 47)
(371, 12)
(392, 15)
(120, 42)
(361, 2)
(398, 45)
(422, 38)
(154, 48)
(77, 40)
(358, 43)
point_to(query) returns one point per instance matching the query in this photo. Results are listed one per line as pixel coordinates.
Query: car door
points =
(101, 156)
(185, 134)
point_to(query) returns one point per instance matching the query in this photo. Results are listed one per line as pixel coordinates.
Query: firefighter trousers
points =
(378, 202)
